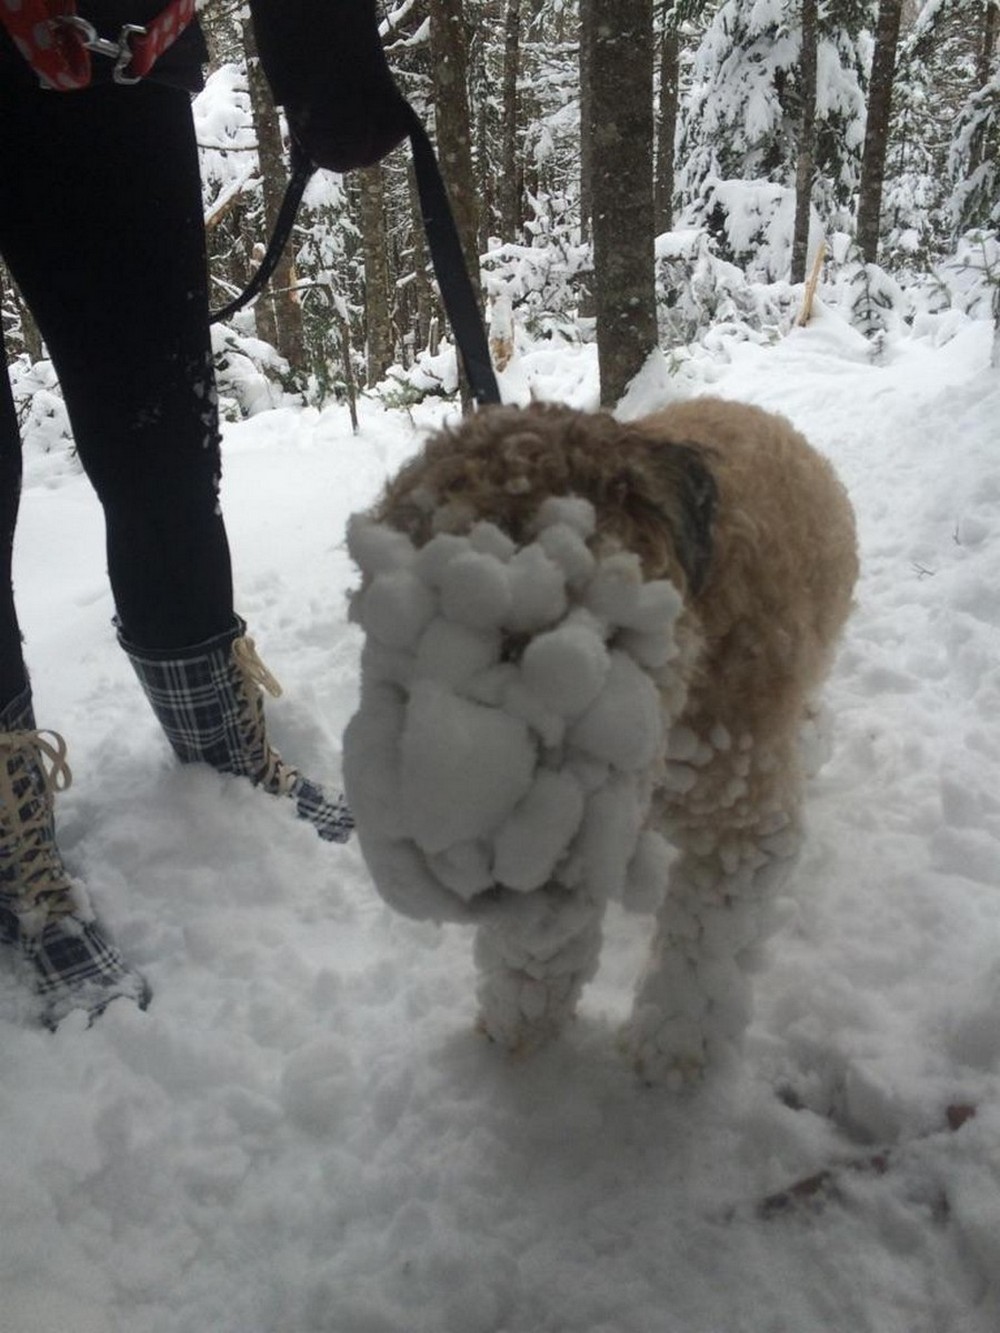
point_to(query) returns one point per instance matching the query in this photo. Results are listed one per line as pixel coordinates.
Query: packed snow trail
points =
(304, 1133)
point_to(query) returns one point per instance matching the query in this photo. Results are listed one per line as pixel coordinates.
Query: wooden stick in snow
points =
(805, 314)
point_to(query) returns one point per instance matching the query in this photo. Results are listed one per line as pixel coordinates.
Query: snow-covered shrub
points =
(697, 291)
(544, 281)
(751, 224)
(247, 373)
(432, 375)
(38, 400)
(971, 276)
(974, 160)
(869, 297)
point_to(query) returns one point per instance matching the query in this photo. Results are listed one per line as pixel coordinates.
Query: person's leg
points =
(117, 280)
(13, 678)
(107, 243)
(44, 921)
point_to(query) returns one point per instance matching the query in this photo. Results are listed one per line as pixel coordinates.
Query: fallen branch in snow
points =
(824, 1185)
(805, 314)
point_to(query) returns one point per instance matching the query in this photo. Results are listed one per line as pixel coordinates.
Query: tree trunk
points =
(378, 319)
(620, 41)
(807, 143)
(510, 184)
(449, 54)
(984, 72)
(991, 28)
(277, 312)
(667, 124)
(877, 127)
(31, 338)
(426, 308)
(586, 121)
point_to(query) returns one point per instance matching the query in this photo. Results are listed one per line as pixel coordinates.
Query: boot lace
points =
(276, 776)
(32, 768)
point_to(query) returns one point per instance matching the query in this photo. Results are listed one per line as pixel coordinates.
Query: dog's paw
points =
(518, 1040)
(673, 1055)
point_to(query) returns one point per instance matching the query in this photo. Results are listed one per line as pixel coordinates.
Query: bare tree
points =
(806, 165)
(510, 174)
(378, 324)
(619, 36)
(877, 127)
(31, 338)
(666, 128)
(449, 55)
(586, 119)
(278, 313)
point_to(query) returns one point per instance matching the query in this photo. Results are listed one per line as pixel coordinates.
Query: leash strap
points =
(301, 174)
(450, 269)
(57, 43)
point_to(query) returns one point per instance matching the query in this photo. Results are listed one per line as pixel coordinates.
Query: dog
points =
(707, 557)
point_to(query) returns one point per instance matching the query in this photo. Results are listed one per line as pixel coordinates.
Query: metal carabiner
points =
(120, 52)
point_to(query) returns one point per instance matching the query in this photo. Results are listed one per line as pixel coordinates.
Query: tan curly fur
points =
(754, 529)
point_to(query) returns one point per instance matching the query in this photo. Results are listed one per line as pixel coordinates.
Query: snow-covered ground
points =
(304, 1133)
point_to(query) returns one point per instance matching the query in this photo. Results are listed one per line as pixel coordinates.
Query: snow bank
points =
(304, 1135)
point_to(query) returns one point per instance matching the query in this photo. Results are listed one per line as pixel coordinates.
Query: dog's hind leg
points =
(533, 962)
(694, 1000)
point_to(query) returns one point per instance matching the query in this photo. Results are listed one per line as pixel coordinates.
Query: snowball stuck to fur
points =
(491, 540)
(516, 699)
(396, 607)
(646, 877)
(538, 591)
(539, 831)
(433, 559)
(566, 668)
(475, 590)
(613, 593)
(463, 767)
(376, 548)
(624, 724)
(572, 510)
(611, 827)
(453, 654)
(464, 868)
(502, 762)
(564, 545)
(657, 605)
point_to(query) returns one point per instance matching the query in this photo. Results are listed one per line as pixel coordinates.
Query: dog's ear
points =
(686, 496)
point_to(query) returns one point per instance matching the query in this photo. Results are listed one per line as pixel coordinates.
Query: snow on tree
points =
(945, 134)
(742, 110)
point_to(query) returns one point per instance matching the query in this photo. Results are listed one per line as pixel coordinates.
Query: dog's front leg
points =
(693, 1003)
(533, 962)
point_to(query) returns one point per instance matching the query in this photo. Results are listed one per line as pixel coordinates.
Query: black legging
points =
(101, 226)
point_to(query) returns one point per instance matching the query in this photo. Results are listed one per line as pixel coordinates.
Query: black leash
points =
(450, 269)
(443, 243)
(302, 171)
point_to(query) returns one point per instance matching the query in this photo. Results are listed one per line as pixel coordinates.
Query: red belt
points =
(57, 43)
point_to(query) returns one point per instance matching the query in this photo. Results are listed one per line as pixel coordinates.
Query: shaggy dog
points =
(727, 509)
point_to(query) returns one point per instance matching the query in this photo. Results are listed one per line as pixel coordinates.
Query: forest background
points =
(707, 155)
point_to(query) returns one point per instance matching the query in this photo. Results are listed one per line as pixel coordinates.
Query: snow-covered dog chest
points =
(510, 725)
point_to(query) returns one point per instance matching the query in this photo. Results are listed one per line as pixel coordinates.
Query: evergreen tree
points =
(744, 111)
(944, 143)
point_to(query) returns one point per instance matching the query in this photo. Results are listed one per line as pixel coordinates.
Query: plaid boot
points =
(210, 703)
(43, 915)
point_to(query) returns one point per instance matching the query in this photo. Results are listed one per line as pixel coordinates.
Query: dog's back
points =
(784, 556)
